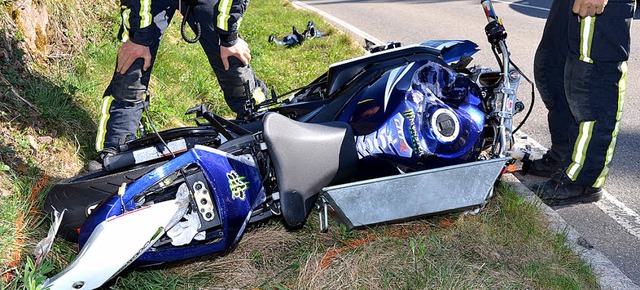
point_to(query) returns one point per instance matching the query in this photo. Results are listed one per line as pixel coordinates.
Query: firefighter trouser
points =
(580, 71)
(124, 98)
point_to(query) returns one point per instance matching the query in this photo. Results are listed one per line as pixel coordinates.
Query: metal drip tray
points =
(413, 195)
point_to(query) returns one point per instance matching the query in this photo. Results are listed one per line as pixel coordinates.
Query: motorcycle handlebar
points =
(495, 31)
(489, 12)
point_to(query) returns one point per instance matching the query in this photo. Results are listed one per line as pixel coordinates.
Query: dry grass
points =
(68, 31)
(507, 245)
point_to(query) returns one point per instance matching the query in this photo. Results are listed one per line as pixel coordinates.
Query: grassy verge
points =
(47, 134)
(506, 246)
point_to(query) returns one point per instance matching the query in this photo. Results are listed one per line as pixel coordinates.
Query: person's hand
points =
(240, 50)
(129, 52)
(589, 7)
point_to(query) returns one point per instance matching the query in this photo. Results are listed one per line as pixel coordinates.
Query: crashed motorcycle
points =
(413, 127)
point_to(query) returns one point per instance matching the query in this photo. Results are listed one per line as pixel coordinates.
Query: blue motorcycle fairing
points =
(236, 189)
(401, 116)
(452, 50)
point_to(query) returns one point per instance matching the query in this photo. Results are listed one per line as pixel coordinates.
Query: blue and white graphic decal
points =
(388, 139)
(394, 77)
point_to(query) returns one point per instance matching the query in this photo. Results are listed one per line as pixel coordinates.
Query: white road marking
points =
(332, 18)
(618, 211)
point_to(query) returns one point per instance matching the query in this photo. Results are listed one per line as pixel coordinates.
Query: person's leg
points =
(123, 100)
(232, 81)
(595, 77)
(595, 87)
(549, 65)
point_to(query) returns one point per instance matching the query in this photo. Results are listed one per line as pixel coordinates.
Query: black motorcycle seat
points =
(306, 158)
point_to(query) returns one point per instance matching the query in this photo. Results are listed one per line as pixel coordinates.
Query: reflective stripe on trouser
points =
(119, 122)
(595, 81)
(128, 90)
(102, 125)
(586, 37)
(614, 134)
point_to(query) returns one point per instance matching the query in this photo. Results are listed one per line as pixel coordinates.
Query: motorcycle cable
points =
(173, 155)
(533, 93)
(153, 127)
(302, 88)
(533, 96)
(496, 54)
(275, 98)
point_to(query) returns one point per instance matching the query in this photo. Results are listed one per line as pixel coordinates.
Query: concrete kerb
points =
(608, 275)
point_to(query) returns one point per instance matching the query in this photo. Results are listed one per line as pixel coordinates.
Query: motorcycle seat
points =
(306, 158)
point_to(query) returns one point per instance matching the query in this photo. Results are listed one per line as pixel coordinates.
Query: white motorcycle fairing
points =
(116, 243)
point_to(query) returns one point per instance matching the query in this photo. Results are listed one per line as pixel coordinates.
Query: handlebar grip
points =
(489, 12)
(495, 30)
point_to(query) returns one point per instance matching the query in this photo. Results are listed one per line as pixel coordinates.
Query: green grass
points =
(507, 245)
(494, 249)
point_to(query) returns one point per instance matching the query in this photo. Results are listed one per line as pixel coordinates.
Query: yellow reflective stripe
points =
(224, 7)
(587, 25)
(580, 149)
(145, 13)
(102, 126)
(622, 92)
(125, 25)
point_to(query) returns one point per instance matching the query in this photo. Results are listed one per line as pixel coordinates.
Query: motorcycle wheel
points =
(78, 195)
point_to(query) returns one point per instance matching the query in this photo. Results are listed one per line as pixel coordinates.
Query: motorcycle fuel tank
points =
(421, 110)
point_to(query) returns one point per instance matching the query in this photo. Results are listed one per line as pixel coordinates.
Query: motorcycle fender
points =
(115, 244)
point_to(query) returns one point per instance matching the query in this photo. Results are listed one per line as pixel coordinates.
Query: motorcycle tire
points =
(78, 195)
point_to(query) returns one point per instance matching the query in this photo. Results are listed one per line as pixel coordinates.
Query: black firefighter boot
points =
(561, 190)
(545, 166)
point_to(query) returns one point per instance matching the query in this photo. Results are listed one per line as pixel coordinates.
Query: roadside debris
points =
(296, 37)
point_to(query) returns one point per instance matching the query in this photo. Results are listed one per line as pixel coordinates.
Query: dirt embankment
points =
(47, 30)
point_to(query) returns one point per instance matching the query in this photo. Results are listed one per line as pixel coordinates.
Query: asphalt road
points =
(612, 225)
